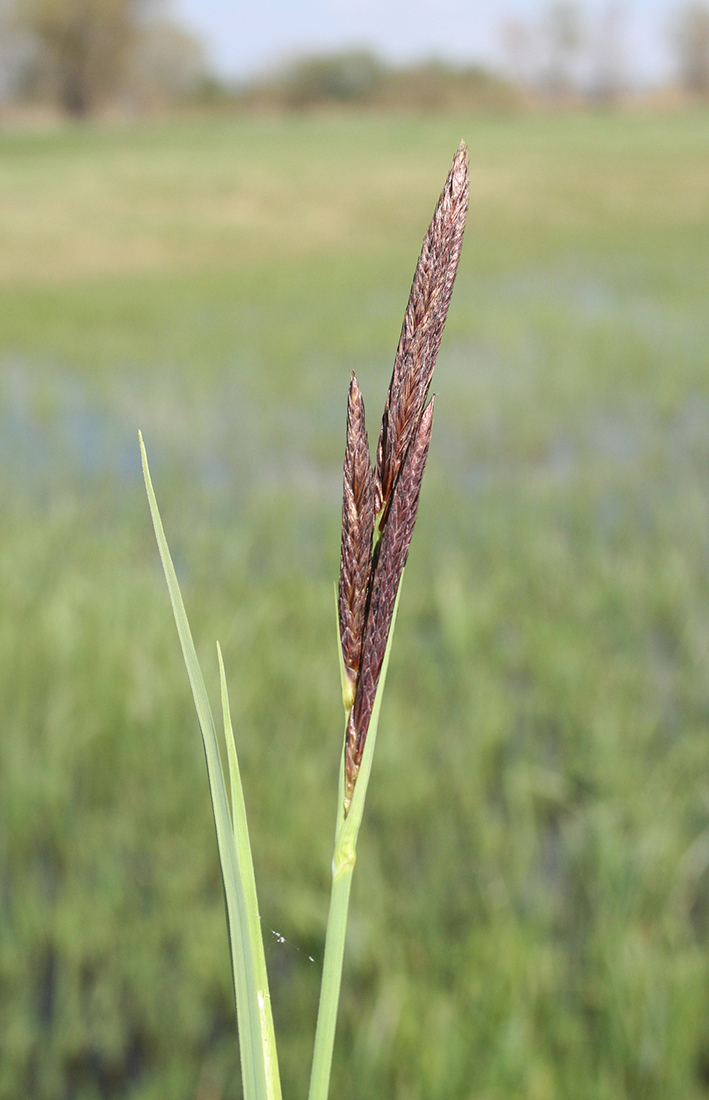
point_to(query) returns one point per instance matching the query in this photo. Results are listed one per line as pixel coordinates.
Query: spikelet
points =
(357, 532)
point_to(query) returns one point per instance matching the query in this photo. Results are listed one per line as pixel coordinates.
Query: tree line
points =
(82, 55)
(568, 51)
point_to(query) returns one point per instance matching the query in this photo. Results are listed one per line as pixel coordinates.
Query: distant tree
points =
(690, 39)
(360, 79)
(344, 77)
(438, 86)
(164, 66)
(563, 32)
(80, 46)
(80, 54)
(608, 60)
(521, 49)
(17, 54)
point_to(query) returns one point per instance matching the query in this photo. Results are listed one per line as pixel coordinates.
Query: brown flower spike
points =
(357, 533)
(372, 563)
(422, 329)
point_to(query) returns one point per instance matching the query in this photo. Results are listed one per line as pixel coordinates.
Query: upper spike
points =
(421, 331)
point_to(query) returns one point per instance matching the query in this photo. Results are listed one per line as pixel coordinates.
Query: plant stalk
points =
(343, 864)
(342, 869)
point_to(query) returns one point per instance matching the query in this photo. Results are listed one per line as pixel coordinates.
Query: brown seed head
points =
(391, 558)
(369, 581)
(357, 532)
(421, 331)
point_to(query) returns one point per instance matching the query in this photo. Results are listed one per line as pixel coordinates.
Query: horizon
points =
(244, 41)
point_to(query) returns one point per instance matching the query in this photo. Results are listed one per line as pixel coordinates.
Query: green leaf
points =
(248, 882)
(259, 1067)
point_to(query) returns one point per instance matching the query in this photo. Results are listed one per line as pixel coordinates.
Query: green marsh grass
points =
(532, 922)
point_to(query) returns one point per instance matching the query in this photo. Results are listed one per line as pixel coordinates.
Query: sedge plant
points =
(378, 515)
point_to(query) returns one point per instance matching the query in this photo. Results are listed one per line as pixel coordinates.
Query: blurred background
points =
(209, 215)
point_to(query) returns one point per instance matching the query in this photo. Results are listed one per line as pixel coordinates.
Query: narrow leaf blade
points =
(253, 1068)
(251, 930)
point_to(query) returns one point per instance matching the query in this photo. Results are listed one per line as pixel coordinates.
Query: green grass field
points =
(530, 913)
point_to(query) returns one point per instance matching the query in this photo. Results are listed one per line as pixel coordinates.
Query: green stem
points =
(342, 868)
(343, 863)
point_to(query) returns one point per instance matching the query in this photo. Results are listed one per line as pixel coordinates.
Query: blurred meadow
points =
(530, 913)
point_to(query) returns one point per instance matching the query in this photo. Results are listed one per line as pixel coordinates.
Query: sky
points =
(248, 37)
